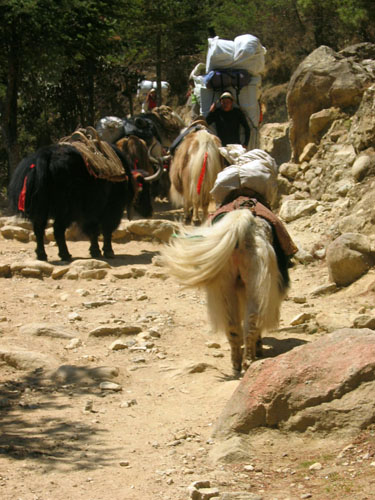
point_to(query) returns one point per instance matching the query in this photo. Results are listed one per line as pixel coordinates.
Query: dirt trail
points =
(69, 439)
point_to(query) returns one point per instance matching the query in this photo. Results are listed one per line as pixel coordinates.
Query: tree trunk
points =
(158, 68)
(10, 109)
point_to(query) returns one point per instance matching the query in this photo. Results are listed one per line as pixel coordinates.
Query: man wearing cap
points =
(228, 121)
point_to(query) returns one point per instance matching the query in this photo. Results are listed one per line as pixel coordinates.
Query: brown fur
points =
(136, 150)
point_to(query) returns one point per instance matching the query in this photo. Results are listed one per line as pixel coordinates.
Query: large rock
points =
(349, 257)
(323, 385)
(362, 131)
(274, 138)
(323, 80)
(153, 228)
(26, 360)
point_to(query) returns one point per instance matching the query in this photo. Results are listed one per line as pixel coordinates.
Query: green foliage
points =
(65, 64)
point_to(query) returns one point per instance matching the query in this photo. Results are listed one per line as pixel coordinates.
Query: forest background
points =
(67, 64)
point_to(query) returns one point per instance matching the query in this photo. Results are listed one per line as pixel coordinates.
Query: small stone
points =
(301, 318)
(299, 300)
(316, 466)
(124, 463)
(73, 316)
(110, 386)
(213, 345)
(203, 483)
(118, 344)
(207, 493)
(129, 403)
(249, 467)
(324, 289)
(73, 344)
(88, 405)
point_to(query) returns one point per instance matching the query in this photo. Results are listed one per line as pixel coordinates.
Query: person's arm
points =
(244, 123)
(210, 118)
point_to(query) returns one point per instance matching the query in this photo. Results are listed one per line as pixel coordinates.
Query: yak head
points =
(143, 194)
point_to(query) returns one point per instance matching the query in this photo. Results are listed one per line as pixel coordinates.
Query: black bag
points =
(220, 79)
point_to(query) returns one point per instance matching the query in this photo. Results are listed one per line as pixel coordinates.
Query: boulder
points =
(274, 138)
(160, 229)
(362, 131)
(323, 80)
(349, 257)
(323, 385)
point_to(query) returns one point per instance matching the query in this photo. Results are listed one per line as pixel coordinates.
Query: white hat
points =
(226, 95)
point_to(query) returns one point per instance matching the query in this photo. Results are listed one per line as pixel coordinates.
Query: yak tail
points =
(197, 258)
(29, 184)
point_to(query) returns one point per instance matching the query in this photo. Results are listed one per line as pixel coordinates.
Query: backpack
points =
(220, 79)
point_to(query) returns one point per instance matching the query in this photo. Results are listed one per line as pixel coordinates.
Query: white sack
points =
(248, 54)
(220, 53)
(254, 169)
(145, 85)
(245, 52)
(110, 128)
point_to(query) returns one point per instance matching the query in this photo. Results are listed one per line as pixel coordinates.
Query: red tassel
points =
(22, 196)
(203, 171)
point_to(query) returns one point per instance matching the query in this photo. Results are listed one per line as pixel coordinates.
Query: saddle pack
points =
(220, 79)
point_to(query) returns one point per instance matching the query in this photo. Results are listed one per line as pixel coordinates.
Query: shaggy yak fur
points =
(54, 183)
(194, 168)
(244, 273)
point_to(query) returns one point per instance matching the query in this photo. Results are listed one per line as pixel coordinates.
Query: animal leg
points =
(230, 314)
(188, 212)
(252, 338)
(196, 220)
(235, 341)
(107, 245)
(205, 211)
(91, 229)
(39, 228)
(59, 232)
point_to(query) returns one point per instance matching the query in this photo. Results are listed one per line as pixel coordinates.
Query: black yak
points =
(56, 182)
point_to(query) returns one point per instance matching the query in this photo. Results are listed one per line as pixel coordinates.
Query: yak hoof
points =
(95, 254)
(66, 257)
(109, 254)
(42, 256)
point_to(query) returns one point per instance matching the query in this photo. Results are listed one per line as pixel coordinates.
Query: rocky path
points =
(111, 382)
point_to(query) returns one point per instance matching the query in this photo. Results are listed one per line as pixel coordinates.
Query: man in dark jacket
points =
(228, 121)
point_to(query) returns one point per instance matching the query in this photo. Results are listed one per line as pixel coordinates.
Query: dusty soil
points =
(152, 439)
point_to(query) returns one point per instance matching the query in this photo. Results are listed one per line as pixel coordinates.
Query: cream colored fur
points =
(185, 171)
(235, 262)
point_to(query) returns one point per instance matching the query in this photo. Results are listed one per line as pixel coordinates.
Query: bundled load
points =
(100, 159)
(146, 85)
(234, 66)
(254, 169)
(245, 52)
(110, 128)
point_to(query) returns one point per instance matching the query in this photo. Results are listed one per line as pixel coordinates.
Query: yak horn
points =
(156, 176)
